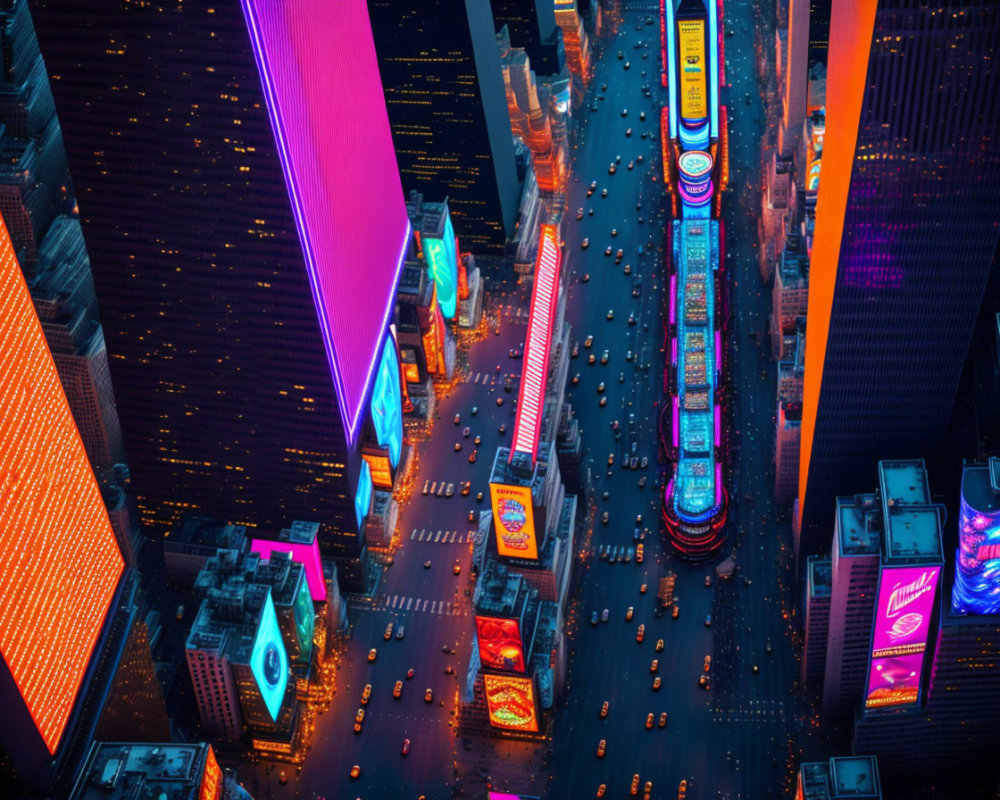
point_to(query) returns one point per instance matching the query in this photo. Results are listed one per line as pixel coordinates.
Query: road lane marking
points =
(409, 603)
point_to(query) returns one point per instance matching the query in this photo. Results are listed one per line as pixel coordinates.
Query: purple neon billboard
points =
(902, 623)
(305, 554)
(320, 78)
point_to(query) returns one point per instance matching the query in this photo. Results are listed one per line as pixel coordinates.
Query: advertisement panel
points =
(442, 264)
(902, 622)
(211, 778)
(500, 644)
(387, 403)
(977, 565)
(510, 701)
(269, 660)
(694, 83)
(305, 554)
(363, 495)
(380, 467)
(305, 620)
(514, 521)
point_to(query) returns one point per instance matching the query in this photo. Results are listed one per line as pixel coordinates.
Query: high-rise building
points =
(911, 183)
(788, 421)
(247, 280)
(844, 778)
(126, 770)
(818, 585)
(445, 97)
(531, 24)
(819, 31)
(794, 78)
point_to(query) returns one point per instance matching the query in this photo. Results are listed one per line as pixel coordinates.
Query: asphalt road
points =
(732, 741)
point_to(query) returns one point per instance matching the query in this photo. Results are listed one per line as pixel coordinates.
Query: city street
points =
(730, 741)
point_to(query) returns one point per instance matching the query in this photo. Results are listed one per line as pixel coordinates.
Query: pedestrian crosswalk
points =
(750, 711)
(420, 605)
(490, 378)
(441, 537)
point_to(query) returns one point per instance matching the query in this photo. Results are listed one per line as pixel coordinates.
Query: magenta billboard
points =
(321, 83)
(305, 554)
(902, 622)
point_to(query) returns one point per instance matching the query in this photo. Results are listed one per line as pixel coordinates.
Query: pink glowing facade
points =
(305, 554)
(332, 133)
(538, 343)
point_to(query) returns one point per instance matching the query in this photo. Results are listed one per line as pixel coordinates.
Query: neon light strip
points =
(718, 364)
(671, 67)
(673, 301)
(676, 421)
(531, 404)
(713, 69)
(718, 427)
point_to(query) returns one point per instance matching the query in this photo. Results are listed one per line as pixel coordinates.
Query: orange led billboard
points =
(211, 778)
(59, 560)
(500, 644)
(381, 469)
(693, 77)
(514, 521)
(510, 701)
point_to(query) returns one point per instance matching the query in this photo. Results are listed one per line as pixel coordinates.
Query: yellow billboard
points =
(380, 466)
(510, 702)
(514, 521)
(693, 80)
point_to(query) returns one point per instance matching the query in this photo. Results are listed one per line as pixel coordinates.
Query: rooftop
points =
(981, 486)
(206, 532)
(855, 776)
(912, 525)
(126, 771)
(904, 482)
(860, 523)
(820, 580)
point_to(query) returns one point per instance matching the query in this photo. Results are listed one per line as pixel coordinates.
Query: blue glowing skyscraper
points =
(239, 194)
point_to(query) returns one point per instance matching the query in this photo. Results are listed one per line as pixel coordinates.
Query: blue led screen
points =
(269, 660)
(387, 402)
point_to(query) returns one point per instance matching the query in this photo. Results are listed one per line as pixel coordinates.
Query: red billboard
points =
(510, 701)
(500, 644)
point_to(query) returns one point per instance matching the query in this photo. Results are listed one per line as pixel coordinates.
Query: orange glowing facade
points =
(59, 562)
(211, 779)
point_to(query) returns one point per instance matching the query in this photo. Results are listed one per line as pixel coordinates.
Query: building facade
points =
(908, 186)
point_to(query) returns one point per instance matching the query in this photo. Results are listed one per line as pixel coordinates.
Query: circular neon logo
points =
(271, 665)
(695, 163)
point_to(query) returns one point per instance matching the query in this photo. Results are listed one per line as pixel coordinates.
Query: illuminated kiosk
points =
(695, 499)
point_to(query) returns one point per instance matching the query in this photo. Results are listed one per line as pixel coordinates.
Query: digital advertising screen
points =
(387, 402)
(510, 701)
(381, 468)
(211, 778)
(269, 660)
(977, 565)
(500, 644)
(693, 77)
(442, 264)
(363, 496)
(305, 620)
(902, 623)
(514, 521)
(305, 554)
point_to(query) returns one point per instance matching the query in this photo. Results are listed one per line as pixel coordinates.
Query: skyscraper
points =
(532, 25)
(445, 97)
(240, 198)
(907, 222)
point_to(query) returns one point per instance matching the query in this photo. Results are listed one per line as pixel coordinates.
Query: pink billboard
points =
(305, 554)
(902, 622)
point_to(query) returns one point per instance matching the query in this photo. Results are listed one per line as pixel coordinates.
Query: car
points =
(397, 690)
(654, 665)
(708, 581)
(579, 213)
(575, 350)
(604, 87)
(628, 355)
(605, 355)
(607, 250)
(629, 614)
(474, 410)
(591, 359)
(604, 615)
(458, 446)
(475, 453)
(746, 580)
(659, 645)
(590, 212)
(593, 185)
(472, 515)
(682, 790)
(588, 341)
(631, 164)
(372, 654)
(704, 682)
(514, 352)
(642, 464)
(650, 720)
(604, 709)
(450, 491)
(633, 463)
(675, 612)
(619, 254)
(629, 552)
(642, 115)
(707, 663)
(593, 106)
(663, 719)
(628, 131)
(603, 401)
(428, 695)
(634, 788)
(657, 683)
(600, 388)
(400, 631)
(593, 618)
(427, 564)
(466, 431)
(604, 192)
(641, 633)
(355, 772)
(627, 269)
(449, 670)
(621, 377)
(769, 648)
(647, 790)
(479, 495)
(639, 554)
(409, 674)
(457, 568)
(643, 588)
(605, 517)
(602, 748)
(627, 65)
(388, 632)
(601, 790)
(575, 379)
(585, 243)
(359, 717)
(585, 278)
(366, 695)
(755, 669)
(612, 169)
(632, 319)
(614, 232)
(621, 55)
(405, 748)
(611, 312)
(466, 486)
